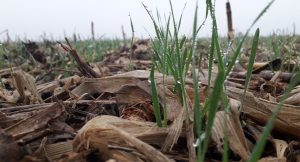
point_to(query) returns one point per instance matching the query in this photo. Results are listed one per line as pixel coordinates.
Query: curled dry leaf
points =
(259, 110)
(280, 147)
(106, 84)
(102, 131)
(122, 85)
(229, 124)
(133, 93)
(174, 132)
(150, 152)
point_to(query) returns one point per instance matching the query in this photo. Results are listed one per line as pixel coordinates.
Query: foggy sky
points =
(32, 18)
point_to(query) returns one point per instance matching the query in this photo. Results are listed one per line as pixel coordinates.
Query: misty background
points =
(31, 19)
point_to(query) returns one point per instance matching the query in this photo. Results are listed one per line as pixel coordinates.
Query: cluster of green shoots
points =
(94, 51)
(175, 56)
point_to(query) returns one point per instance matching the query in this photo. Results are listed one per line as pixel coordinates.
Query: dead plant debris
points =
(103, 111)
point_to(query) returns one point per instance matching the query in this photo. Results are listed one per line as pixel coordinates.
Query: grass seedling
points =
(212, 107)
(197, 112)
(251, 59)
(211, 104)
(160, 45)
(155, 98)
(173, 55)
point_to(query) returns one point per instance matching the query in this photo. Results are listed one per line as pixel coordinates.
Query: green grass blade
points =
(131, 24)
(216, 39)
(212, 109)
(194, 41)
(211, 57)
(251, 59)
(156, 26)
(156, 58)
(221, 64)
(182, 42)
(197, 112)
(165, 46)
(180, 19)
(260, 144)
(155, 98)
(226, 148)
(206, 15)
(214, 43)
(225, 102)
(185, 56)
(176, 42)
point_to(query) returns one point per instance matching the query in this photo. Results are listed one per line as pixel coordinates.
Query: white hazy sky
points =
(32, 18)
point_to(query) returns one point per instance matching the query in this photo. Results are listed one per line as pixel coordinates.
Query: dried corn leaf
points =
(259, 110)
(174, 132)
(107, 84)
(111, 84)
(100, 132)
(6, 121)
(131, 94)
(114, 83)
(133, 87)
(36, 122)
(229, 124)
(141, 92)
(150, 152)
(293, 100)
